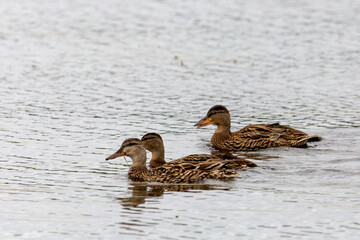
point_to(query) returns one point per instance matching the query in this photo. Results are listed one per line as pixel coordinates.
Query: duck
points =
(253, 136)
(171, 172)
(153, 142)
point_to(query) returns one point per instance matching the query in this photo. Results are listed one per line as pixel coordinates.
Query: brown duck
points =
(254, 136)
(171, 172)
(154, 143)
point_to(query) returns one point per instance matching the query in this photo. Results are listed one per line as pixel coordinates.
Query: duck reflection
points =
(140, 191)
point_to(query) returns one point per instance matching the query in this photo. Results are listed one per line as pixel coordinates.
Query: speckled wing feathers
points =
(190, 172)
(234, 162)
(258, 136)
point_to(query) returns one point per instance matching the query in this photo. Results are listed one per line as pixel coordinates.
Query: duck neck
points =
(221, 134)
(138, 166)
(139, 161)
(157, 157)
(138, 170)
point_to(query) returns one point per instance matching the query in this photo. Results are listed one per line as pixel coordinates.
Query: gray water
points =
(79, 77)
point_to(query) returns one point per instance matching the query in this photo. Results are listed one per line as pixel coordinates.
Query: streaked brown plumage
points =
(154, 143)
(171, 172)
(254, 136)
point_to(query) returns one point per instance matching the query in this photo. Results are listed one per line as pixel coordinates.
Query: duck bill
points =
(117, 154)
(203, 122)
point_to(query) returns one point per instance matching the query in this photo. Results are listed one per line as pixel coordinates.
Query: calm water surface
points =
(79, 77)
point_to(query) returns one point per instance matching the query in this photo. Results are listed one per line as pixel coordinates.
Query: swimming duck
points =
(251, 137)
(153, 142)
(171, 172)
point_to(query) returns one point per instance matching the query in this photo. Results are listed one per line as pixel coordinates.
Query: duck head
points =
(133, 148)
(217, 115)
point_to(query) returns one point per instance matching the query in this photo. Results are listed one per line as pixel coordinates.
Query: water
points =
(79, 77)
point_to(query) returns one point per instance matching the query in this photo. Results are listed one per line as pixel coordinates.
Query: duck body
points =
(259, 136)
(154, 143)
(175, 171)
(233, 162)
(192, 172)
(254, 136)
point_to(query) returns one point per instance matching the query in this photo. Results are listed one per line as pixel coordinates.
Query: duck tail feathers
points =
(314, 138)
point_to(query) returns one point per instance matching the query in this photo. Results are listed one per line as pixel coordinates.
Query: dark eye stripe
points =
(147, 138)
(215, 112)
(131, 144)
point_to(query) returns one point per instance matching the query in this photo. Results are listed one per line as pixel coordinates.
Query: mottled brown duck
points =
(175, 172)
(153, 142)
(254, 136)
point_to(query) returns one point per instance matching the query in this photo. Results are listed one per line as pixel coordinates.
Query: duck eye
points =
(212, 114)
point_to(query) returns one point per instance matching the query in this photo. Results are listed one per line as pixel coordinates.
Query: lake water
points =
(79, 77)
